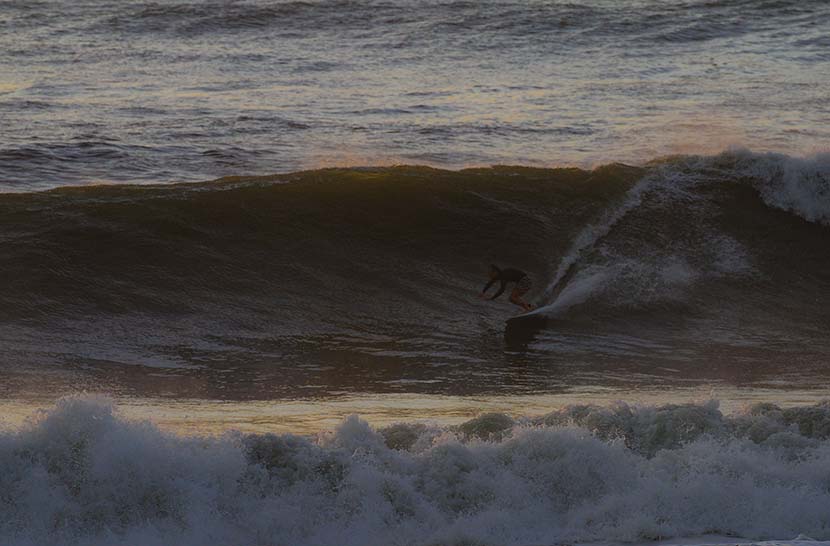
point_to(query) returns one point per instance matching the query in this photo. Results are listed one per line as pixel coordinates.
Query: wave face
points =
(687, 260)
(80, 474)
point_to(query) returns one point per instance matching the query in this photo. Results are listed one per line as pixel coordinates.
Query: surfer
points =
(505, 276)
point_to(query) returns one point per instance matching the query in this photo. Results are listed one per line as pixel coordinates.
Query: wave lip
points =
(80, 474)
(799, 185)
(695, 221)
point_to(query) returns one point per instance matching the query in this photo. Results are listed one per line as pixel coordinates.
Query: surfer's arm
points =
(487, 287)
(501, 290)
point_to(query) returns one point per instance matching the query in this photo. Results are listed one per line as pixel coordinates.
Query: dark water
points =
(101, 91)
(691, 270)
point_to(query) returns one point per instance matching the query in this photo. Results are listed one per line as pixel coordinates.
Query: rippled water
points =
(171, 91)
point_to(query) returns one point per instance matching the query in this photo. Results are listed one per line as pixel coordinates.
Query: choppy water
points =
(172, 91)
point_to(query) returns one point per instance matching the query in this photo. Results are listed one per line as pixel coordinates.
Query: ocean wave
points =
(81, 474)
(212, 17)
(685, 247)
(308, 231)
(648, 234)
(561, 22)
(694, 221)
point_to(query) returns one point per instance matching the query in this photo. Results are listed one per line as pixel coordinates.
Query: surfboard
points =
(531, 319)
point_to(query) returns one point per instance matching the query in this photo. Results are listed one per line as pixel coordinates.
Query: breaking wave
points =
(685, 251)
(413, 234)
(81, 474)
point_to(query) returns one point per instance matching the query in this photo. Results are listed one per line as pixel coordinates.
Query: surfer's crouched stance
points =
(505, 276)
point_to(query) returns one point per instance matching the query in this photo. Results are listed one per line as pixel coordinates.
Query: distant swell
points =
(83, 475)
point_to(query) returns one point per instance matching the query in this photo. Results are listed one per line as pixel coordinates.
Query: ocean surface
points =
(241, 245)
(170, 91)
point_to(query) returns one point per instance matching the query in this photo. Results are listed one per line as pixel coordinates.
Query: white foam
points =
(797, 184)
(592, 233)
(82, 475)
(650, 273)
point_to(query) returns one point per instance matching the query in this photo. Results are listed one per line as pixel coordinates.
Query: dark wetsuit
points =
(506, 276)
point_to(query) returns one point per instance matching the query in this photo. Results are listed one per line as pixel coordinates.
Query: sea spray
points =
(797, 184)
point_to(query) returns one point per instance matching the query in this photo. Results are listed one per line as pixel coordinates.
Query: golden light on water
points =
(311, 416)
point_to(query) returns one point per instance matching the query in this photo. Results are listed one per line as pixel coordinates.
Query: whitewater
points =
(81, 474)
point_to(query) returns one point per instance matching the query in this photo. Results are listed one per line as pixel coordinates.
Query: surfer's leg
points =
(521, 303)
(522, 288)
(517, 300)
